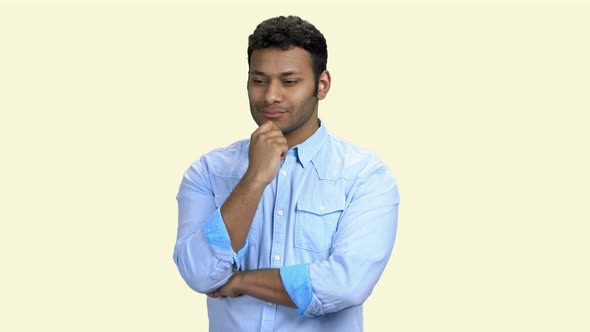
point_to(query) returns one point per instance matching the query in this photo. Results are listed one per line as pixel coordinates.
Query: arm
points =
(265, 284)
(208, 240)
(204, 259)
(267, 148)
(361, 249)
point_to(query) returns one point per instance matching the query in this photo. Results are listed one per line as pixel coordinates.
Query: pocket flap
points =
(321, 206)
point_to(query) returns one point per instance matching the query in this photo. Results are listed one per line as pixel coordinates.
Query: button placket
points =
(282, 203)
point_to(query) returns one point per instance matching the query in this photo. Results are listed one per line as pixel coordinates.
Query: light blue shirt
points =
(328, 222)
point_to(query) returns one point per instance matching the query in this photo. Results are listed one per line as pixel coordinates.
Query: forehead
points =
(274, 60)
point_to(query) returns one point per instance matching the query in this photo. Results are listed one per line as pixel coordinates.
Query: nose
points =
(273, 93)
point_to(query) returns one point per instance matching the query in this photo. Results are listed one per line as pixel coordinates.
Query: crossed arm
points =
(345, 279)
(265, 284)
(267, 147)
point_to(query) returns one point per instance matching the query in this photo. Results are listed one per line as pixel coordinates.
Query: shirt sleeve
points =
(296, 281)
(202, 253)
(361, 248)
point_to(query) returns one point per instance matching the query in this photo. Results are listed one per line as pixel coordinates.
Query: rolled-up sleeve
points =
(203, 252)
(361, 248)
(295, 278)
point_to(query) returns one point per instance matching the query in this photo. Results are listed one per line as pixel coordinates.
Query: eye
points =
(290, 82)
(258, 81)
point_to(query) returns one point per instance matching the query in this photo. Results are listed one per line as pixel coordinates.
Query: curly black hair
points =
(285, 32)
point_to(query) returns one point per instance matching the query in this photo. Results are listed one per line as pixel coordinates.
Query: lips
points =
(272, 113)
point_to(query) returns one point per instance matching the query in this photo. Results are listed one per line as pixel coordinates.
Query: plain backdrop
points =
(479, 108)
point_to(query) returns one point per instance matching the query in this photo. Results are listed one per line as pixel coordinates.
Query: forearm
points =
(267, 148)
(239, 209)
(265, 285)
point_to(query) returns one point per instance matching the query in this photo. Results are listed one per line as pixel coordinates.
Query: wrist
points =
(239, 284)
(253, 182)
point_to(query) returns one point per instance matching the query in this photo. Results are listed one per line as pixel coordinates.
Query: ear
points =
(324, 84)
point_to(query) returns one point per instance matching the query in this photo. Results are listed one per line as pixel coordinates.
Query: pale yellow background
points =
(479, 109)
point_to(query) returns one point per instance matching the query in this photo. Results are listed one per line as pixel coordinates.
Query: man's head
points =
(287, 76)
(291, 31)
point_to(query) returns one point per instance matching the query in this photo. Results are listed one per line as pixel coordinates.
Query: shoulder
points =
(363, 169)
(342, 159)
(229, 161)
(234, 150)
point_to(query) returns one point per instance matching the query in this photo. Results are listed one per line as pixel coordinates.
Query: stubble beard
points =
(307, 111)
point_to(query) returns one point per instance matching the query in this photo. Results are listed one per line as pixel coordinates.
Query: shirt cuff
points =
(296, 281)
(216, 233)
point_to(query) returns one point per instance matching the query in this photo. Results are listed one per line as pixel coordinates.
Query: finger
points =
(269, 125)
(259, 131)
(272, 135)
(277, 131)
(273, 125)
(279, 142)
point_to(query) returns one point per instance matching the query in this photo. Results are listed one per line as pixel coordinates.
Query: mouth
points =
(272, 113)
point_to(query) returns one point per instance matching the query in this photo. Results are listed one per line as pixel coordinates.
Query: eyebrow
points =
(283, 74)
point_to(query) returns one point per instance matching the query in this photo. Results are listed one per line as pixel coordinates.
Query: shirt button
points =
(283, 172)
(277, 258)
(280, 212)
(322, 207)
(268, 303)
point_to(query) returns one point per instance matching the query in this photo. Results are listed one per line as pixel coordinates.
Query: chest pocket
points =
(251, 239)
(316, 222)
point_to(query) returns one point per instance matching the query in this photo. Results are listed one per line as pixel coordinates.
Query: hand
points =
(230, 289)
(268, 147)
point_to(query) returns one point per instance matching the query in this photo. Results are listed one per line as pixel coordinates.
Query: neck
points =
(299, 136)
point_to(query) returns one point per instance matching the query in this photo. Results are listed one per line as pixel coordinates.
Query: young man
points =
(290, 229)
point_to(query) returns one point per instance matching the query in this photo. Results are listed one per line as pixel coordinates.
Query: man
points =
(291, 229)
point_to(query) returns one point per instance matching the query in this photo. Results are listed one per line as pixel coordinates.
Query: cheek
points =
(255, 96)
(304, 100)
(299, 98)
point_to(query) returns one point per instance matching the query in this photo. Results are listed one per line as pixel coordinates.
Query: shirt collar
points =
(309, 148)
